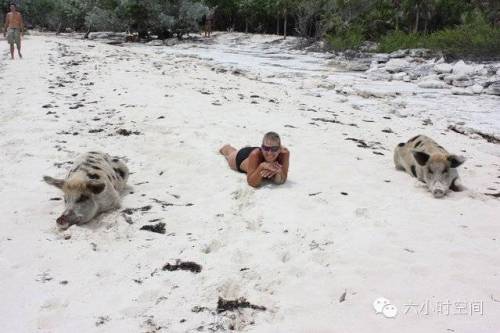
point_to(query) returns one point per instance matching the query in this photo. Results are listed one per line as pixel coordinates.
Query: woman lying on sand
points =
(269, 161)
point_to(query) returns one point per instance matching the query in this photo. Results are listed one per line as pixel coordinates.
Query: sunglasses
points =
(273, 149)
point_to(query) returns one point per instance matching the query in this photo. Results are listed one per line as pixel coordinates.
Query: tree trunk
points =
(59, 28)
(278, 25)
(246, 25)
(88, 32)
(417, 18)
(284, 23)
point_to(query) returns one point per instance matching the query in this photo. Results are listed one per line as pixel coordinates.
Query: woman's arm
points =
(283, 160)
(255, 168)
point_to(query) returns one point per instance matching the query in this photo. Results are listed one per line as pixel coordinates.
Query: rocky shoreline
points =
(421, 67)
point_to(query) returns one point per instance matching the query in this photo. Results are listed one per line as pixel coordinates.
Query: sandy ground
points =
(345, 230)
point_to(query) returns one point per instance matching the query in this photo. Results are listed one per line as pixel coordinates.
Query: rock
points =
(375, 68)
(397, 65)
(406, 78)
(461, 68)
(430, 77)
(132, 38)
(351, 54)
(369, 92)
(493, 89)
(399, 54)
(463, 83)
(374, 65)
(488, 82)
(114, 42)
(379, 75)
(357, 66)
(344, 90)
(171, 41)
(441, 61)
(156, 42)
(420, 53)
(108, 35)
(454, 77)
(422, 70)
(399, 76)
(477, 89)
(443, 68)
(480, 70)
(381, 58)
(461, 91)
(433, 84)
(490, 70)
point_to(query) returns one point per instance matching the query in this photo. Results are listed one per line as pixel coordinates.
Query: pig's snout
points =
(61, 220)
(67, 219)
(438, 193)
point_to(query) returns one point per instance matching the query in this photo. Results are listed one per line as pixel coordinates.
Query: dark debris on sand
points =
(126, 132)
(158, 228)
(130, 211)
(183, 265)
(241, 303)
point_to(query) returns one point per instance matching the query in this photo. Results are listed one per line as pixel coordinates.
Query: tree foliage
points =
(345, 22)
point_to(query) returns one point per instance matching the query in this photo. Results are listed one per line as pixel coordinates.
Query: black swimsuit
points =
(242, 155)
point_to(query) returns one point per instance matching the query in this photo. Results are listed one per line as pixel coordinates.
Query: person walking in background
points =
(14, 29)
(209, 21)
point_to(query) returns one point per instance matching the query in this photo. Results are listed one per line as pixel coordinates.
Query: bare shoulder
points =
(255, 153)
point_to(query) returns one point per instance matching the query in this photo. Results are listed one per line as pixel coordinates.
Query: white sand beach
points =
(346, 228)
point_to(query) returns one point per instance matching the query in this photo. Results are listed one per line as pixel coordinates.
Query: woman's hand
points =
(267, 174)
(271, 166)
(270, 169)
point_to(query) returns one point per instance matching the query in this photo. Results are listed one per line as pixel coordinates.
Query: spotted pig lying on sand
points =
(92, 186)
(424, 159)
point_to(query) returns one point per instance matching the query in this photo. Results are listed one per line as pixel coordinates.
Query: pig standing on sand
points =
(92, 186)
(423, 158)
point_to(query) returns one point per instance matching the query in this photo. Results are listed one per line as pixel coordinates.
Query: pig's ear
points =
(456, 161)
(54, 182)
(95, 187)
(420, 157)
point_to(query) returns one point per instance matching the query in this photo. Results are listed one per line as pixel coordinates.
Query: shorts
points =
(242, 155)
(14, 36)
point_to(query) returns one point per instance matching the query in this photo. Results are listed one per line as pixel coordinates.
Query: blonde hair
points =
(272, 136)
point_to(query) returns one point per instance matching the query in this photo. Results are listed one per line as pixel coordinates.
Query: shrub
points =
(400, 40)
(474, 38)
(351, 38)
